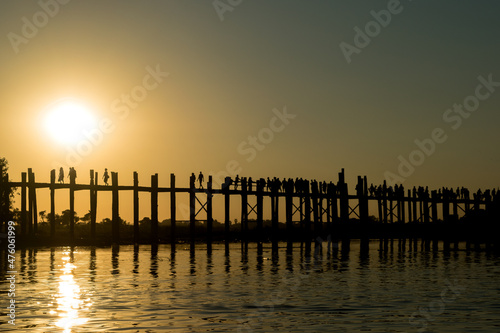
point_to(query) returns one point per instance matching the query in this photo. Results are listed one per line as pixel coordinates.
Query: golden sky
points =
(185, 86)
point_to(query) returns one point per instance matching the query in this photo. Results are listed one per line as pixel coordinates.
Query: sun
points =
(67, 120)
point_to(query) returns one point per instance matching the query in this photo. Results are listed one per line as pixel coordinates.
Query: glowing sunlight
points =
(66, 121)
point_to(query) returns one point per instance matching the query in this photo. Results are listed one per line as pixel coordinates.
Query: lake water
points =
(142, 289)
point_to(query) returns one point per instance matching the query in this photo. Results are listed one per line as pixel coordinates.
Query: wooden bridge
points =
(332, 208)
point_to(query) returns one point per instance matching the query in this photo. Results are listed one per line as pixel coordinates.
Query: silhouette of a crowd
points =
(460, 193)
(277, 185)
(300, 185)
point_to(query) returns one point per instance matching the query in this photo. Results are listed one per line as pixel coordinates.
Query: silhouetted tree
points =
(65, 217)
(145, 222)
(106, 220)
(166, 222)
(42, 214)
(16, 214)
(6, 194)
(86, 218)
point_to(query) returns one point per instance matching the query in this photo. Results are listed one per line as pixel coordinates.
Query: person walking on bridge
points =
(61, 175)
(201, 178)
(105, 177)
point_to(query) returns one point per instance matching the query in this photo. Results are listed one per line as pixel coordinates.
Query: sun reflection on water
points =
(69, 299)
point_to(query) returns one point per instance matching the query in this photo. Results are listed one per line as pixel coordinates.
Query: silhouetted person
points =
(390, 191)
(236, 182)
(266, 184)
(61, 175)
(105, 177)
(227, 183)
(192, 179)
(487, 195)
(200, 179)
(359, 189)
(72, 173)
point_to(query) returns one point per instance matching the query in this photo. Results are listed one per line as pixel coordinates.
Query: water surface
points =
(148, 289)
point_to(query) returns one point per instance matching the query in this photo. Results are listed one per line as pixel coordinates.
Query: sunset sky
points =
(189, 86)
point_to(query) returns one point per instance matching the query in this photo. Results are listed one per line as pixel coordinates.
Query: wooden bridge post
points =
(301, 212)
(275, 213)
(420, 199)
(209, 210)
(192, 207)
(397, 196)
(328, 210)
(455, 205)
(315, 208)
(52, 216)
(260, 208)
(172, 210)
(93, 212)
(334, 204)
(384, 201)
(154, 209)
(402, 203)
(379, 205)
(35, 207)
(467, 201)
(446, 206)
(320, 209)
(359, 195)
(115, 222)
(244, 209)
(227, 206)
(447, 239)
(72, 182)
(136, 207)
(425, 200)
(362, 193)
(390, 196)
(332, 208)
(344, 198)
(409, 207)
(31, 199)
(434, 210)
(289, 210)
(366, 209)
(414, 202)
(92, 203)
(307, 211)
(91, 199)
(23, 204)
